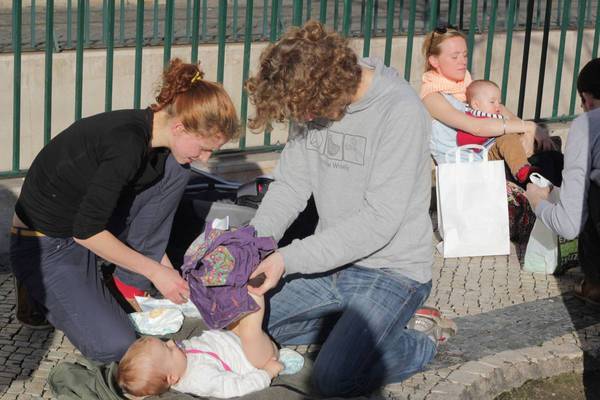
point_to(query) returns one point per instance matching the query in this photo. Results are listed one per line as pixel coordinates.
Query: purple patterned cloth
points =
(217, 266)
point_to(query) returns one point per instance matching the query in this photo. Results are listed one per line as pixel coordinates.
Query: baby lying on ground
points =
(218, 363)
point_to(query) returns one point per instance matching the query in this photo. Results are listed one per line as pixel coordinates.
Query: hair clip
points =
(197, 77)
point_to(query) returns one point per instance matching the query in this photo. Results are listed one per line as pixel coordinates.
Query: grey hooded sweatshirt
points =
(370, 174)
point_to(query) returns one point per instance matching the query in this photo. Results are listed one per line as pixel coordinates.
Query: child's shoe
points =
(524, 174)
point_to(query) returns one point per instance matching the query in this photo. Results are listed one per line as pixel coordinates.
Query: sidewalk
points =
(513, 326)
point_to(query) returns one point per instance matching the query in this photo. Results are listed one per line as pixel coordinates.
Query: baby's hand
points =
(273, 367)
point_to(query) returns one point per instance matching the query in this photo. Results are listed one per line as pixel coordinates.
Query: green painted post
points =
(410, 39)
(509, 32)
(452, 12)
(81, 13)
(69, 24)
(204, 18)
(234, 22)
(490, 39)
(32, 23)
(347, 17)
(110, 47)
(16, 45)
(561, 55)
(188, 14)
(168, 31)
(368, 28)
(87, 22)
(336, 14)
(375, 15)
(389, 31)
(596, 33)
(48, 70)
(543, 58)
(401, 17)
(195, 30)
(139, 38)
(297, 13)
(265, 18)
(245, 71)
(122, 22)
(104, 34)
(221, 32)
(471, 37)
(323, 11)
(433, 16)
(155, 22)
(272, 39)
(580, 26)
(308, 9)
(274, 19)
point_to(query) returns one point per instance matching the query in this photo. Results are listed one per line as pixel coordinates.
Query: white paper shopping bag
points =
(472, 206)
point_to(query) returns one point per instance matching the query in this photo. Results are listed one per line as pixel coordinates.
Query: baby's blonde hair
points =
(138, 373)
(477, 85)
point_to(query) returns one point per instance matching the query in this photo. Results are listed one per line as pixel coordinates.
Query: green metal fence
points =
(117, 23)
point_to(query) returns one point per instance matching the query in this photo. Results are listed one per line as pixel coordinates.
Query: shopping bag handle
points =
(471, 154)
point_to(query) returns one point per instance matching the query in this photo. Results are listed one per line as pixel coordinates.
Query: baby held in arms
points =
(483, 98)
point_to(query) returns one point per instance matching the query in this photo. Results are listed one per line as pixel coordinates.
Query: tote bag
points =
(472, 206)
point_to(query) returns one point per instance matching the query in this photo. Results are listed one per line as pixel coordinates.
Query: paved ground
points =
(513, 326)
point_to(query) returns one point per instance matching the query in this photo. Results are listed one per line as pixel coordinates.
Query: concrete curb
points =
(492, 375)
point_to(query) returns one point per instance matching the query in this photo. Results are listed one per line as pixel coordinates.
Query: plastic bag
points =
(541, 255)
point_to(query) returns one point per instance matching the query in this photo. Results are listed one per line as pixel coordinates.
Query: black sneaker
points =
(28, 312)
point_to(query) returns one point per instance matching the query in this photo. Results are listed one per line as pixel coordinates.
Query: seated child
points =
(483, 98)
(218, 363)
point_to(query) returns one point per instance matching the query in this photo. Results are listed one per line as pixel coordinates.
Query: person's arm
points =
(441, 110)
(400, 158)
(120, 158)
(566, 217)
(164, 277)
(256, 344)
(288, 194)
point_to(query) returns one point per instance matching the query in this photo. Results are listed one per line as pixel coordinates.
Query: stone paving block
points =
(461, 377)
(450, 389)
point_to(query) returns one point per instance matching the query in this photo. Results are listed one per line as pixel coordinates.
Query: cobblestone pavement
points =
(513, 326)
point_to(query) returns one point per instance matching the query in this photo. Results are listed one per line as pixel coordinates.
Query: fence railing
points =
(196, 22)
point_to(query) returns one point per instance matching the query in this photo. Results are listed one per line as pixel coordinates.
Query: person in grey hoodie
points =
(359, 144)
(578, 209)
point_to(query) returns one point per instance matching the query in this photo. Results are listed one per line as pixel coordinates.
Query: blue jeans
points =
(359, 315)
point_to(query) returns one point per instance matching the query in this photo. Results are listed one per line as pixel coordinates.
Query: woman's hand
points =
(168, 281)
(528, 137)
(536, 194)
(273, 268)
(544, 143)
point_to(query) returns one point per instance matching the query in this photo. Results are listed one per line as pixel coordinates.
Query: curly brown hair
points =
(308, 73)
(204, 107)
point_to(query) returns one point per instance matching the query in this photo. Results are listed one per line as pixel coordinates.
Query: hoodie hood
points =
(385, 79)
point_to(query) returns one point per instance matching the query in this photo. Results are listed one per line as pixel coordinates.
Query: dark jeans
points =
(589, 238)
(360, 315)
(63, 278)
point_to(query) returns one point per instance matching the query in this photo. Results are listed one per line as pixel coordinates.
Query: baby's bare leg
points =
(256, 344)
